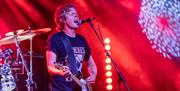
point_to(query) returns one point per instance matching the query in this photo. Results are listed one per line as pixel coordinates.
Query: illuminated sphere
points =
(108, 67)
(107, 41)
(108, 73)
(109, 87)
(107, 47)
(108, 60)
(109, 80)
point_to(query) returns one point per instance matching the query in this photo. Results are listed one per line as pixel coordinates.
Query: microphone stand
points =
(121, 78)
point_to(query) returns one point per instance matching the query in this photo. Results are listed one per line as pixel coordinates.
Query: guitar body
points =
(85, 86)
(89, 87)
(80, 82)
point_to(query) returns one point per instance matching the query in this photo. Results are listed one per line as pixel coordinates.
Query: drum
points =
(7, 79)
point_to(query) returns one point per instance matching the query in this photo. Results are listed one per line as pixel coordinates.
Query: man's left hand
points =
(90, 79)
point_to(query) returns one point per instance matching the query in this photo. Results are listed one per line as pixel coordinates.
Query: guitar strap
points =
(71, 58)
(70, 53)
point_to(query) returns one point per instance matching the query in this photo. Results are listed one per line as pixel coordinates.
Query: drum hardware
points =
(16, 64)
(36, 31)
(33, 32)
(16, 37)
(21, 35)
(7, 79)
(20, 31)
(17, 67)
(30, 80)
(8, 82)
(6, 53)
(34, 55)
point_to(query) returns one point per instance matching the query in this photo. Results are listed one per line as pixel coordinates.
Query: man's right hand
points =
(66, 71)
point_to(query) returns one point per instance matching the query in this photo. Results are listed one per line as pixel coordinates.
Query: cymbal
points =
(12, 39)
(22, 35)
(36, 31)
(20, 31)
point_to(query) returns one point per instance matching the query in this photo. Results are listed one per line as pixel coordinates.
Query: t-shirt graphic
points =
(79, 53)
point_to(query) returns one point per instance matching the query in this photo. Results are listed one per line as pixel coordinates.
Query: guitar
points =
(82, 83)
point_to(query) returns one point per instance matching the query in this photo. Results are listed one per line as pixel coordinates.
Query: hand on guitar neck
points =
(90, 79)
(66, 71)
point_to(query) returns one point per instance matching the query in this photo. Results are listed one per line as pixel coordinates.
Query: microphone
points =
(87, 20)
(79, 22)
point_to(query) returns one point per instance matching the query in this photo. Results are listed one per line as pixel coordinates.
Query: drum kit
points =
(6, 77)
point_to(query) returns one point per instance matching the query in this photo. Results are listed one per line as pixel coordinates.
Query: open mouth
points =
(78, 22)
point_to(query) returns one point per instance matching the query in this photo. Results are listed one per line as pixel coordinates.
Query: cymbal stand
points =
(31, 66)
(22, 67)
(28, 81)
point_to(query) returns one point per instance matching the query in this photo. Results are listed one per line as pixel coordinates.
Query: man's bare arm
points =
(92, 69)
(51, 59)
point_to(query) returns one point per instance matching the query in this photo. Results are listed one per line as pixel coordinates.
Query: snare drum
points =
(7, 79)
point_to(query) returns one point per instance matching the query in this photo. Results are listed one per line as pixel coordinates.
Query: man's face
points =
(70, 17)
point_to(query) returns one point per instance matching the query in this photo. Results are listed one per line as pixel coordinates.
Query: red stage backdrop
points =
(143, 67)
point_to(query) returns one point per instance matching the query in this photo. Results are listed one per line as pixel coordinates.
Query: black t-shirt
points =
(81, 52)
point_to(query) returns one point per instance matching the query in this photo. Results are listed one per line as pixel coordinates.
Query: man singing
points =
(58, 47)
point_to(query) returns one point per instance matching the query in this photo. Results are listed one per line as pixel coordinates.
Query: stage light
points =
(107, 47)
(109, 73)
(108, 60)
(109, 80)
(109, 87)
(108, 67)
(107, 41)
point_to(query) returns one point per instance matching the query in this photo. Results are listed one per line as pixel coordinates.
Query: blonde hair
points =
(60, 15)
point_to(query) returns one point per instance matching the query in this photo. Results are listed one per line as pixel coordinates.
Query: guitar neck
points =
(60, 67)
(76, 80)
